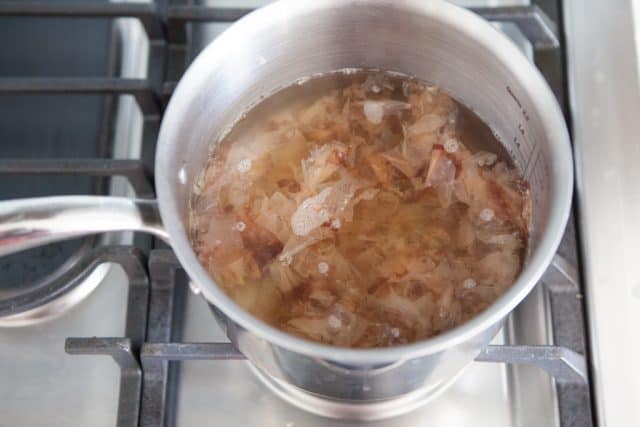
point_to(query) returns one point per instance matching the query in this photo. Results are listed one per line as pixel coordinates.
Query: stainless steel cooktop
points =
(43, 384)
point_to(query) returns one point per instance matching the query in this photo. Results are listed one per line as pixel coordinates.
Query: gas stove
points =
(82, 93)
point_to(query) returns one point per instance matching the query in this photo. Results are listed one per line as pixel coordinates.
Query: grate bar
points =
(190, 351)
(167, 90)
(156, 400)
(147, 13)
(531, 20)
(562, 283)
(134, 170)
(564, 365)
(123, 353)
(206, 14)
(140, 89)
(534, 24)
(123, 350)
(179, 16)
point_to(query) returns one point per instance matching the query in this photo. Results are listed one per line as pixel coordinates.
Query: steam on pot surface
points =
(361, 209)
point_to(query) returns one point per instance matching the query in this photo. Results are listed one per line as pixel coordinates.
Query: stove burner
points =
(76, 277)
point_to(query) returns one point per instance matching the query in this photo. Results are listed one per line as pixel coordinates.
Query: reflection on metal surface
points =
(58, 306)
(602, 55)
(347, 411)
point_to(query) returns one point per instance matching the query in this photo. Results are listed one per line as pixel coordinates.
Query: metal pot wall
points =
(273, 47)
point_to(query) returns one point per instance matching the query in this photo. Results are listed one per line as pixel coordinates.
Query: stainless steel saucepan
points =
(271, 48)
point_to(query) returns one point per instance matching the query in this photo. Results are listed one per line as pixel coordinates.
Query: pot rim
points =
(500, 47)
